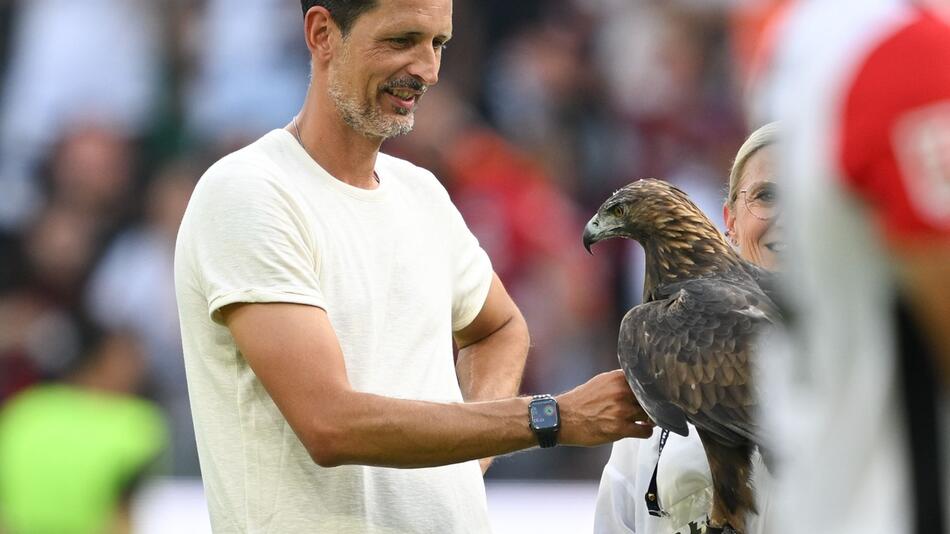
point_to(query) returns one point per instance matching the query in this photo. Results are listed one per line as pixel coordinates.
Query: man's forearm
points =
(491, 422)
(294, 352)
(374, 430)
(367, 429)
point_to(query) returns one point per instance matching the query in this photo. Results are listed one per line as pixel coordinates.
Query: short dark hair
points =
(343, 12)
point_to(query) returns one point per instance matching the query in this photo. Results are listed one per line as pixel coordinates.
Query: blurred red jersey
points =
(862, 88)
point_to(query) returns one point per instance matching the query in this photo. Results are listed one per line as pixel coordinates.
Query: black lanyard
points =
(652, 497)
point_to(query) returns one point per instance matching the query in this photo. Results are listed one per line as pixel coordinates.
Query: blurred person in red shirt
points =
(858, 403)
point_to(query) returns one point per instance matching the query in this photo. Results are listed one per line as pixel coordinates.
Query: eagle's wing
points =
(688, 357)
(768, 281)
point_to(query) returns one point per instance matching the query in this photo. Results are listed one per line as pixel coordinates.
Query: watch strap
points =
(547, 438)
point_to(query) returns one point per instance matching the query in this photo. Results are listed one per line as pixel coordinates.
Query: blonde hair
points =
(757, 140)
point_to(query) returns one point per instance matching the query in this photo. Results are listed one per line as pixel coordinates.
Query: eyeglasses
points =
(761, 199)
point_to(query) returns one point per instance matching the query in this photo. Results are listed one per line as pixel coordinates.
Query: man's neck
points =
(346, 154)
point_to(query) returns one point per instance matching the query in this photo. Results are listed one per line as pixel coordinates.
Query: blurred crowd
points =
(110, 110)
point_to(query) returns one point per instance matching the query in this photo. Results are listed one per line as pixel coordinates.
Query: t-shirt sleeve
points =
(895, 133)
(250, 241)
(472, 272)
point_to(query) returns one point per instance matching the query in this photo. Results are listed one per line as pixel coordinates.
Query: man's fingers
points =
(640, 430)
(637, 413)
(639, 424)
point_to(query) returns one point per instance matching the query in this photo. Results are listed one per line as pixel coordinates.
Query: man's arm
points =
(492, 351)
(294, 352)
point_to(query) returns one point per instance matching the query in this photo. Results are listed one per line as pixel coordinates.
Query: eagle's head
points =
(679, 240)
(648, 210)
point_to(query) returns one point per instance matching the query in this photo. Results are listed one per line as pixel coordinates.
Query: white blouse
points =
(684, 487)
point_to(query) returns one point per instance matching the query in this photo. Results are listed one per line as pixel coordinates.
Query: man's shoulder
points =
(251, 170)
(254, 158)
(242, 184)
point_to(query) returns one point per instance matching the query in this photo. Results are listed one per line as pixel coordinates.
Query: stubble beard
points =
(368, 118)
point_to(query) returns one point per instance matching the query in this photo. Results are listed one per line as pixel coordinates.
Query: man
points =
(320, 284)
(863, 87)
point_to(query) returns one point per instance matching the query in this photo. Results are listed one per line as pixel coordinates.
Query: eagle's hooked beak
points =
(591, 233)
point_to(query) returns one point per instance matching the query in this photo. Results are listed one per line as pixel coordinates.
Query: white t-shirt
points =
(397, 271)
(683, 483)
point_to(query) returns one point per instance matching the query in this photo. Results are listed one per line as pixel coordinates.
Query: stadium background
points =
(111, 109)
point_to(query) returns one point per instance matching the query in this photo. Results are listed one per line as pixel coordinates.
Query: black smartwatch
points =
(544, 418)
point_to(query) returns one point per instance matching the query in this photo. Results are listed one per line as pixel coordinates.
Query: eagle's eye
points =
(619, 210)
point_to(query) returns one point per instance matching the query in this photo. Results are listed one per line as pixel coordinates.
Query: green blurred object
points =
(69, 457)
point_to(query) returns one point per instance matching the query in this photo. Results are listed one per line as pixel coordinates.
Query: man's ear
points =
(321, 33)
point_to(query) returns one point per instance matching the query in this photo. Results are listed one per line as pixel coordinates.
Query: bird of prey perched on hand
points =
(688, 350)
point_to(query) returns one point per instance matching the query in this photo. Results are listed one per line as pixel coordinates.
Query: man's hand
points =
(601, 411)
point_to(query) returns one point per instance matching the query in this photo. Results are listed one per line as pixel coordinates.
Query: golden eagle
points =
(688, 349)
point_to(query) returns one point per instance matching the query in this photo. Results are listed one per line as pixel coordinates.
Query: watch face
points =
(544, 414)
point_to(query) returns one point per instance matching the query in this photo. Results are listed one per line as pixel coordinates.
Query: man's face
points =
(387, 62)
